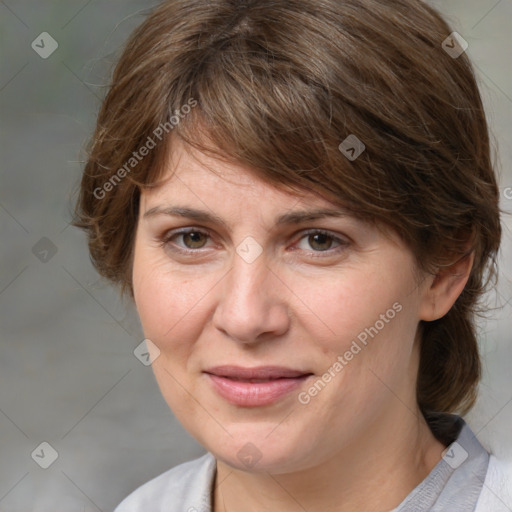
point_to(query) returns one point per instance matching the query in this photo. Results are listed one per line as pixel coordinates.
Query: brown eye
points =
(194, 239)
(185, 240)
(320, 241)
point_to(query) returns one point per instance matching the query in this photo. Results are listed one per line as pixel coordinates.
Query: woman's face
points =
(235, 280)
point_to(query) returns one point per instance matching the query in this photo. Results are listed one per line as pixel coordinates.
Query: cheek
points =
(171, 306)
(172, 317)
(353, 302)
(369, 317)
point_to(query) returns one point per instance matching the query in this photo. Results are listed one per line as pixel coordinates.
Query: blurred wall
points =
(68, 375)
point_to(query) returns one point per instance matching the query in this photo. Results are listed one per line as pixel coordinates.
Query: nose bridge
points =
(249, 305)
(247, 286)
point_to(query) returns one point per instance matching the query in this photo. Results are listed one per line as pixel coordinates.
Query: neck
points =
(374, 474)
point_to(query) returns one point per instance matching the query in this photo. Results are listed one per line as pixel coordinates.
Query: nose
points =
(252, 306)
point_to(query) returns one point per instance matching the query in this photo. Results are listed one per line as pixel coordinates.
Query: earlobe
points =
(445, 288)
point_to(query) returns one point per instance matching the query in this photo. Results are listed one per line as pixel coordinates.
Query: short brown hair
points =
(277, 86)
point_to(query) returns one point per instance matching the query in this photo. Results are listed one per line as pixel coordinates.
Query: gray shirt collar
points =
(456, 481)
(454, 484)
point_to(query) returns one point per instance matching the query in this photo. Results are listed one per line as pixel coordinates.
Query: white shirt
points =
(466, 479)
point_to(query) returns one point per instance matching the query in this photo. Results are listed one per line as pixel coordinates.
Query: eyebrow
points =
(290, 218)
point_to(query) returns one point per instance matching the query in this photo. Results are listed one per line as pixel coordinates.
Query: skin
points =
(361, 442)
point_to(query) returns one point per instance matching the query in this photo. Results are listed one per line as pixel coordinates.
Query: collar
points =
(456, 481)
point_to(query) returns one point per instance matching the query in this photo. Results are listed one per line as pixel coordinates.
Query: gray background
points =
(68, 375)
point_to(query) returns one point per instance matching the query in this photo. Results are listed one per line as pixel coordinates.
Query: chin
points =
(254, 450)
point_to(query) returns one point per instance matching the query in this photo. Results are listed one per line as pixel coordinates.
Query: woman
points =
(299, 197)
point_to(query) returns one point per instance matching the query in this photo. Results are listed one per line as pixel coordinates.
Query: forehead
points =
(204, 188)
(195, 176)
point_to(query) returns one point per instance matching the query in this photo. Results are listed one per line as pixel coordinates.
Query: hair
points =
(277, 85)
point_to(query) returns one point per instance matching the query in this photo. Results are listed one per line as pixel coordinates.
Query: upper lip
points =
(259, 372)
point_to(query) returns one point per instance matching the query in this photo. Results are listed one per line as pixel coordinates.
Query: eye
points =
(194, 239)
(191, 239)
(321, 241)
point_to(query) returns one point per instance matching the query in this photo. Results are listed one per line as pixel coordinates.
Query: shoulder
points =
(496, 492)
(184, 488)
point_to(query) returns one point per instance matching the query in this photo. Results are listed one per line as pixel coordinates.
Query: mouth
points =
(253, 387)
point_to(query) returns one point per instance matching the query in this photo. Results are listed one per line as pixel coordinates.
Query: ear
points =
(444, 288)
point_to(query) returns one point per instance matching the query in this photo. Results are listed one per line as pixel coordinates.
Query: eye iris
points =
(194, 239)
(320, 241)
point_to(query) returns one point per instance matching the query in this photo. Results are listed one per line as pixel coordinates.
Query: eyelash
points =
(166, 239)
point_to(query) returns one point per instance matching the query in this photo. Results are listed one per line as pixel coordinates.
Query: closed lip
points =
(257, 386)
(259, 372)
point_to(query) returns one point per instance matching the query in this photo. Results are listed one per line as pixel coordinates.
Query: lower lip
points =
(254, 394)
